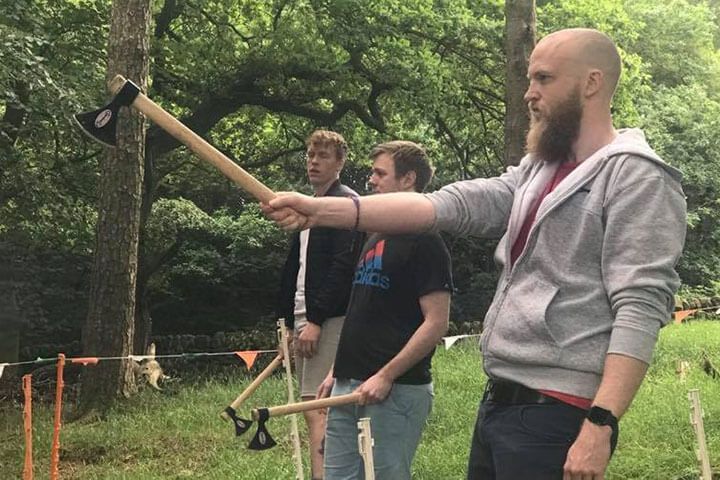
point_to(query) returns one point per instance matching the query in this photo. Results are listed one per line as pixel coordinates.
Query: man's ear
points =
(594, 82)
(408, 180)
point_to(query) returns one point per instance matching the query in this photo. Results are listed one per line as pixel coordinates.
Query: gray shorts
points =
(312, 371)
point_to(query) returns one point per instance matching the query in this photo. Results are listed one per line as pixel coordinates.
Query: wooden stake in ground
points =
(696, 419)
(683, 366)
(27, 421)
(294, 432)
(55, 449)
(365, 447)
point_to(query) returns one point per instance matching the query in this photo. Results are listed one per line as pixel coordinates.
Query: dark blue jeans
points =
(523, 442)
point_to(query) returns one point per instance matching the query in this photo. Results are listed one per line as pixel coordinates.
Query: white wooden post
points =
(294, 432)
(365, 447)
(683, 367)
(696, 419)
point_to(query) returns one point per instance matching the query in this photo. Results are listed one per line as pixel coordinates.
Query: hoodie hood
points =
(632, 141)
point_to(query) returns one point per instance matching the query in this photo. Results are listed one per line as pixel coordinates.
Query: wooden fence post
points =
(365, 446)
(696, 419)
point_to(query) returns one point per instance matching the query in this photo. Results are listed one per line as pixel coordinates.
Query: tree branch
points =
(218, 24)
(15, 115)
(168, 13)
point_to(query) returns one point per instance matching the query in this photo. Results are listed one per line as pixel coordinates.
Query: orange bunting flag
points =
(85, 361)
(683, 314)
(248, 357)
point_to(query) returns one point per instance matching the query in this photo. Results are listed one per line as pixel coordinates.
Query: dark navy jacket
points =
(331, 258)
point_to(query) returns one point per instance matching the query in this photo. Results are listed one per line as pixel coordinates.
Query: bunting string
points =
(248, 356)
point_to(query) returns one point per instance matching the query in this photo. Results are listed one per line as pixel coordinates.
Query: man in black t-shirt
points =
(398, 312)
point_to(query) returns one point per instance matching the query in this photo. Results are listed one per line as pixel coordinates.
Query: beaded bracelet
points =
(356, 201)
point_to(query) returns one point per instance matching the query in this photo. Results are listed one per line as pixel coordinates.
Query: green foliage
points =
(224, 270)
(675, 41)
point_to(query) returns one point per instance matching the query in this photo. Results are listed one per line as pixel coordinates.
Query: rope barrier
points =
(94, 360)
(243, 354)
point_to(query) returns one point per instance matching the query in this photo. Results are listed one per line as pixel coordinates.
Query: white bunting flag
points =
(450, 341)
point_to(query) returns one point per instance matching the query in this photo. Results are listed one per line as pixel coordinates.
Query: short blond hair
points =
(328, 138)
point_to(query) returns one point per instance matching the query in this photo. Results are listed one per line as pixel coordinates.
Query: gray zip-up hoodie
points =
(597, 274)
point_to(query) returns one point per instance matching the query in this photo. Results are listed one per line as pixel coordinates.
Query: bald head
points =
(589, 48)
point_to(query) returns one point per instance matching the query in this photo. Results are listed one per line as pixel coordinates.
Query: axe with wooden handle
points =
(101, 126)
(262, 439)
(230, 413)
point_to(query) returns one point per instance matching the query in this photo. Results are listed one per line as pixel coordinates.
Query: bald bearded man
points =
(591, 226)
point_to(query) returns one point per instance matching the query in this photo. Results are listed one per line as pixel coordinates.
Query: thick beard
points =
(551, 139)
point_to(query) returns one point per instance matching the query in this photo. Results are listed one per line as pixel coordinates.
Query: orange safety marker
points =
(27, 423)
(55, 449)
(683, 314)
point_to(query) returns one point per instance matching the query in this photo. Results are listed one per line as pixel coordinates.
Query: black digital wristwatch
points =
(602, 417)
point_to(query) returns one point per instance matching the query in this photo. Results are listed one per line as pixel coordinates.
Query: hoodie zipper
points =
(508, 279)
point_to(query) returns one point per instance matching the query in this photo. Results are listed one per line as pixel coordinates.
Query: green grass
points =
(177, 434)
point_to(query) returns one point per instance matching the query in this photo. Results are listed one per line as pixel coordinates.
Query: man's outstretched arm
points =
(390, 213)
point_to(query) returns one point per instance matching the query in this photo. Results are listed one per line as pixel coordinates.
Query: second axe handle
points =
(309, 405)
(196, 143)
(276, 362)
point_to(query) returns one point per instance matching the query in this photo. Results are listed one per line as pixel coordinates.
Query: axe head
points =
(101, 124)
(241, 425)
(262, 439)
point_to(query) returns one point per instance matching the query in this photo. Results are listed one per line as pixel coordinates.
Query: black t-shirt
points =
(394, 271)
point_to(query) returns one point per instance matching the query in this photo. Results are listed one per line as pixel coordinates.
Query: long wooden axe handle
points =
(283, 336)
(305, 406)
(195, 143)
(276, 362)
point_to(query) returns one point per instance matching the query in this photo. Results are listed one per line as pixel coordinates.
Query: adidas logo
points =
(369, 271)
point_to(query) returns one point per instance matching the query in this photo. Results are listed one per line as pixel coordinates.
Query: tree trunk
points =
(143, 319)
(11, 322)
(519, 42)
(110, 322)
